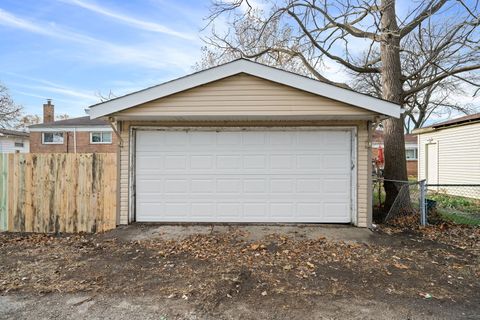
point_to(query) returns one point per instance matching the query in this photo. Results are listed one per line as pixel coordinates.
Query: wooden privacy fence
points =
(58, 192)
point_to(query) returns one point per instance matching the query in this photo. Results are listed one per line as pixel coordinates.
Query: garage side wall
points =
(458, 154)
(363, 165)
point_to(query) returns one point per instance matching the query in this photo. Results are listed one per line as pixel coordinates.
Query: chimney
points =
(48, 112)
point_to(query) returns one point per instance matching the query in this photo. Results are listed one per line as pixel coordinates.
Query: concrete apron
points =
(247, 232)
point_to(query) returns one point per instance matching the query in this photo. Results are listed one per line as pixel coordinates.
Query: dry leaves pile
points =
(217, 267)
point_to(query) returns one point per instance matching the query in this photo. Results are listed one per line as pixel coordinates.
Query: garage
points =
(244, 142)
(301, 175)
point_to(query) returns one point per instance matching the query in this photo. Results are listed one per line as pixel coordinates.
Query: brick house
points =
(76, 135)
(411, 150)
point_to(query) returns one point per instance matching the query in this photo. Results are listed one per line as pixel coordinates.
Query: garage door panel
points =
(229, 139)
(255, 210)
(202, 186)
(282, 161)
(226, 185)
(339, 185)
(243, 176)
(282, 211)
(254, 138)
(145, 163)
(229, 161)
(175, 138)
(203, 209)
(309, 186)
(336, 211)
(176, 186)
(335, 161)
(201, 161)
(229, 209)
(149, 186)
(307, 211)
(254, 185)
(202, 138)
(282, 139)
(282, 185)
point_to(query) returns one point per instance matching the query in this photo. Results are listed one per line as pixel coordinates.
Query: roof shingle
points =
(7, 132)
(464, 119)
(73, 122)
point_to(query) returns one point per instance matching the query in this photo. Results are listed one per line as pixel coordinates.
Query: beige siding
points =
(363, 164)
(458, 154)
(243, 95)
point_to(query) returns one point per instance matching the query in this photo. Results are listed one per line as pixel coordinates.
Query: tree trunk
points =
(395, 163)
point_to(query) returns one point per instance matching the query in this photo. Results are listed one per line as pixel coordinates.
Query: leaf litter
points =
(211, 269)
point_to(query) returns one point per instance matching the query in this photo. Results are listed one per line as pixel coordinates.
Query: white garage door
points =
(264, 175)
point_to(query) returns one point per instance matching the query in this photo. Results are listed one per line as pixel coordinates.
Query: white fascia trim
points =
(255, 69)
(69, 129)
(227, 117)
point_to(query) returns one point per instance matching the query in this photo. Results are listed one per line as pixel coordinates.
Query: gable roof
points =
(13, 133)
(456, 121)
(73, 122)
(465, 120)
(252, 68)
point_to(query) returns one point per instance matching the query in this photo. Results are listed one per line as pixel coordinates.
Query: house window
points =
(52, 137)
(411, 153)
(100, 137)
(18, 144)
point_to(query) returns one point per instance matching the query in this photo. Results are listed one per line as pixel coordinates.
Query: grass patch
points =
(457, 203)
(378, 197)
(457, 209)
(460, 218)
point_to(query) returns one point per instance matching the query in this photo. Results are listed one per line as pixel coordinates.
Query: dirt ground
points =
(234, 272)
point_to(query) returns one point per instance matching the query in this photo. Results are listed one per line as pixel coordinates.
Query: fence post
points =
(3, 191)
(422, 202)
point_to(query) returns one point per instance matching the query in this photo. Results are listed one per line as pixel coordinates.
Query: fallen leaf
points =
(399, 265)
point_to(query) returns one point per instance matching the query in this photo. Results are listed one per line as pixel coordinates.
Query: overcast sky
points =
(71, 50)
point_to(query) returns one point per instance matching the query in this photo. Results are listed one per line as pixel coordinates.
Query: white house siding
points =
(458, 154)
(7, 145)
(363, 163)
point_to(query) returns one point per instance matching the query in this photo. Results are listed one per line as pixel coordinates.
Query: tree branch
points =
(327, 53)
(427, 12)
(441, 77)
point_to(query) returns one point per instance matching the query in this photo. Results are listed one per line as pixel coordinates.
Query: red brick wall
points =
(411, 164)
(83, 144)
(412, 169)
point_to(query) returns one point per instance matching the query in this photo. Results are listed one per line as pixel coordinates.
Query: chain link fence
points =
(459, 203)
(421, 203)
(406, 206)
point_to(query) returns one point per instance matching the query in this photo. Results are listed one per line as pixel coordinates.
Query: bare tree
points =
(334, 30)
(62, 116)
(28, 120)
(250, 38)
(9, 111)
(441, 97)
(107, 97)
